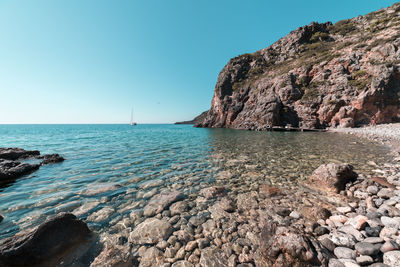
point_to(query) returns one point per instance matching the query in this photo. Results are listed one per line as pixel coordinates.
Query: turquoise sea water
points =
(135, 163)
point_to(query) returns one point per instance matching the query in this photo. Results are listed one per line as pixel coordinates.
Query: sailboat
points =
(132, 123)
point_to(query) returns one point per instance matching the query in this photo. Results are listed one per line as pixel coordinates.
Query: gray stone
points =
(374, 240)
(365, 248)
(390, 222)
(348, 229)
(372, 189)
(152, 257)
(392, 258)
(389, 246)
(342, 239)
(178, 208)
(182, 264)
(213, 191)
(344, 253)
(151, 231)
(335, 263)
(364, 260)
(213, 257)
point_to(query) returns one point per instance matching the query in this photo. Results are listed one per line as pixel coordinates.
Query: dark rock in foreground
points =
(11, 168)
(332, 177)
(198, 119)
(54, 241)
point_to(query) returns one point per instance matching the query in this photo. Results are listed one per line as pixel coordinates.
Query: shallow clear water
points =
(134, 163)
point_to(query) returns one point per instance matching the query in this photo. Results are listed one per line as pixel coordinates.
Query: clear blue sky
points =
(80, 61)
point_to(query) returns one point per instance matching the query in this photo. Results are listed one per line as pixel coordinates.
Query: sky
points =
(81, 61)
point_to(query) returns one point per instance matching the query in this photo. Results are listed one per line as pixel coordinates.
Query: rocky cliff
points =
(320, 75)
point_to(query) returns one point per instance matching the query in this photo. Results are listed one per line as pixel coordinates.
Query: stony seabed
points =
(339, 215)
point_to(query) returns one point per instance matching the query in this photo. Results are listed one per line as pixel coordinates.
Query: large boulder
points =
(332, 177)
(59, 239)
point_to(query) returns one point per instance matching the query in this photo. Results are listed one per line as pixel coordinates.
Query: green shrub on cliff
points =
(343, 27)
(319, 37)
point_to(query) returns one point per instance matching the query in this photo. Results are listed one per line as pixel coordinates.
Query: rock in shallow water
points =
(332, 177)
(151, 231)
(213, 257)
(161, 201)
(53, 241)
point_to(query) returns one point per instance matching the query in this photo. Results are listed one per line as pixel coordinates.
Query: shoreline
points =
(226, 224)
(386, 134)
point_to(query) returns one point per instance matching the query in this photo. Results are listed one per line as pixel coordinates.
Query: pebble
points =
(344, 253)
(365, 248)
(374, 240)
(359, 222)
(335, 263)
(389, 246)
(392, 258)
(372, 189)
(346, 209)
(390, 222)
(294, 215)
(364, 260)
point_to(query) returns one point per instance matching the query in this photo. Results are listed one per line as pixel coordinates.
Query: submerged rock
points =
(162, 201)
(332, 177)
(213, 257)
(151, 231)
(59, 239)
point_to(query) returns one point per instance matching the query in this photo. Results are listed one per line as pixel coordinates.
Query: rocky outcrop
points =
(332, 177)
(11, 166)
(320, 75)
(57, 240)
(196, 120)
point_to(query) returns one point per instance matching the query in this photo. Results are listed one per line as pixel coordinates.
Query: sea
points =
(123, 166)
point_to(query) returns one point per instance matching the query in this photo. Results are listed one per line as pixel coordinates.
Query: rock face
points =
(198, 119)
(47, 245)
(11, 168)
(320, 75)
(332, 177)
